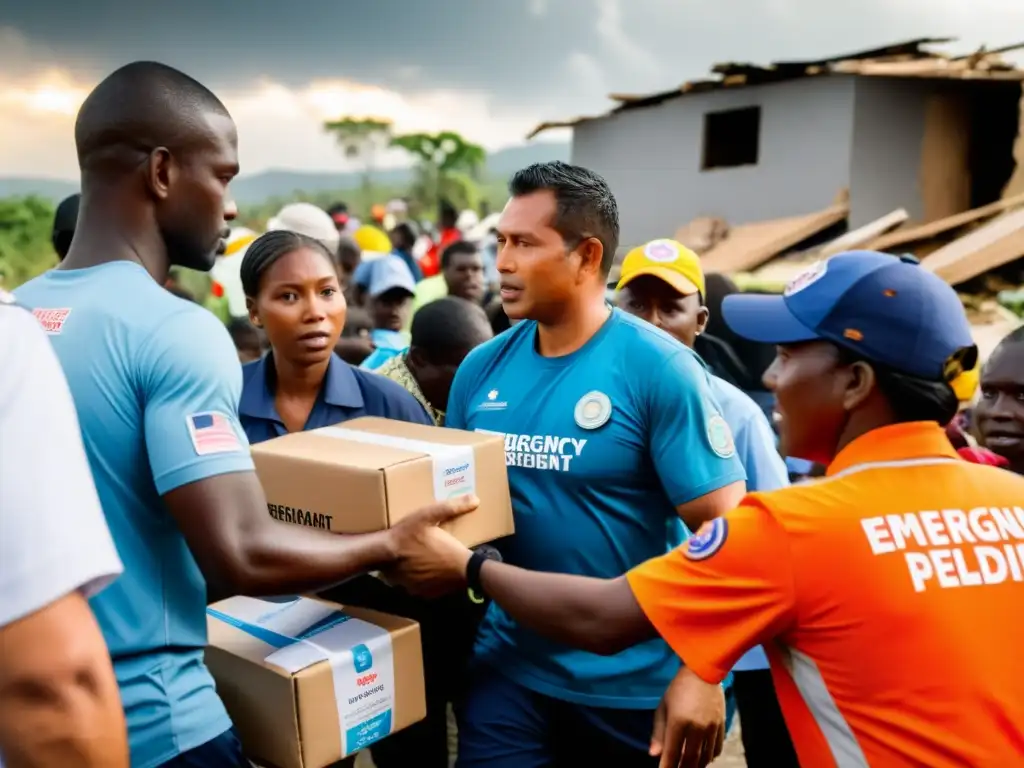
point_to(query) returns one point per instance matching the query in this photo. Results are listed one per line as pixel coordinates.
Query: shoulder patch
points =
(212, 432)
(720, 436)
(708, 540)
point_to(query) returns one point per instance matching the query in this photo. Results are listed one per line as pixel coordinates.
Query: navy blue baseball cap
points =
(885, 308)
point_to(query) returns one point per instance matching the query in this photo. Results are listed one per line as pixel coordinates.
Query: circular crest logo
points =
(593, 410)
(661, 251)
(708, 540)
(720, 436)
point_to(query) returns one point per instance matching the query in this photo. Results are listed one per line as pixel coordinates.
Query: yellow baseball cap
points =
(666, 260)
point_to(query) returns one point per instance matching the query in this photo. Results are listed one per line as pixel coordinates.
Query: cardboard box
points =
(367, 474)
(308, 682)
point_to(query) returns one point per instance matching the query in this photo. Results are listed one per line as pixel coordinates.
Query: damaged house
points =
(832, 144)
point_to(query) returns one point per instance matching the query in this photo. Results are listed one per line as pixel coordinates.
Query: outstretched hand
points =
(428, 560)
(689, 724)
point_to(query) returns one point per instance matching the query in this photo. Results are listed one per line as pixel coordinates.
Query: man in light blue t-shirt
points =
(156, 384)
(612, 435)
(663, 283)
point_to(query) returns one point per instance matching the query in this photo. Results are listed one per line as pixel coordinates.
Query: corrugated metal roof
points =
(906, 59)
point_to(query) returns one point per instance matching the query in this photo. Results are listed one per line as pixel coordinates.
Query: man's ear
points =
(703, 315)
(160, 172)
(591, 253)
(859, 385)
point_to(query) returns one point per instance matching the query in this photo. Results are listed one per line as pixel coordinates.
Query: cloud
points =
(619, 43)
(278, 127)
(538, 8)
(588, 79)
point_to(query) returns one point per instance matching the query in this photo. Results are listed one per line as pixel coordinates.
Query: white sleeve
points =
(54, 538)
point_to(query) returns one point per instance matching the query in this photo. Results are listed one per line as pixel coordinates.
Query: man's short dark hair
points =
(349, 253)
(448, 326)
(405, 232)
(586, 205)
(1016, 336)
(137, 108)
(458, 248)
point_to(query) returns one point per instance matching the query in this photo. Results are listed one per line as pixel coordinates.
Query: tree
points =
(447, 168)
(25, 249)
(361, 139)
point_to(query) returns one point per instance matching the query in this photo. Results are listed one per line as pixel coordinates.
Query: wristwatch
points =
(476, 561)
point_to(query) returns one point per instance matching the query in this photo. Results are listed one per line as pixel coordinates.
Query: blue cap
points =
(885, 308)
(388, 273)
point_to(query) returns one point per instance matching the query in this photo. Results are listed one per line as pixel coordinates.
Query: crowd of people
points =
(792, 506)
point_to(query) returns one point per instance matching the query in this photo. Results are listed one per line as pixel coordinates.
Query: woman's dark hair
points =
(267, 249)
(911, 398)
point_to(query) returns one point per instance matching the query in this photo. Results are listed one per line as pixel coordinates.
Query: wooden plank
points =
(870, 231)
(944, 172)
(750, 245)
(935, 228)
(997, 243)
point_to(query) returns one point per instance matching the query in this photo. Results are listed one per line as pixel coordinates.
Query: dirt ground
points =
(732, 756)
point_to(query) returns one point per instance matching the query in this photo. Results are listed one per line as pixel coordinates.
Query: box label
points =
(306, 632)
(454, 465)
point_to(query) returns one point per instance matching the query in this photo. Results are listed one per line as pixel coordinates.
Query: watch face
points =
(486, 550)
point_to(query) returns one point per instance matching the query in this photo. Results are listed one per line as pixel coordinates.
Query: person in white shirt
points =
(59, 701)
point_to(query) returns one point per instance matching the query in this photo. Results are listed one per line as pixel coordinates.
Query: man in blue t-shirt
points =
(663, 283)
(156, 384)
(612, 435)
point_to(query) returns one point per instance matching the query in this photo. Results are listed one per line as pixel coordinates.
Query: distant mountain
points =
(279, 183)
(54, 189)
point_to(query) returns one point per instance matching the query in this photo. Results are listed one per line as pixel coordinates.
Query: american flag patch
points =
(212, 432)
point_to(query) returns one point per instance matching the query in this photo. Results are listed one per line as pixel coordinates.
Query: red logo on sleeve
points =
(52, 320)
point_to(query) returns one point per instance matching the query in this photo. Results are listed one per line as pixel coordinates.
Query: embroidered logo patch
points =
(809, 276)
(661, 251)
(593, 410)
(708, 540)
(720, 437)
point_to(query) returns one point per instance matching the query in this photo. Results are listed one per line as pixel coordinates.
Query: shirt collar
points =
(340, 388)
(912, 440)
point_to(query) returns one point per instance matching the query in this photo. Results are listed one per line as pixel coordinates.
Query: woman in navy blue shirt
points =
(294, 294)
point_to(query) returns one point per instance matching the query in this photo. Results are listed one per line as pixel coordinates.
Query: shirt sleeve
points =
(691, 444)
(729, 588)
(54, 538)
(755, 446)
(192, 383)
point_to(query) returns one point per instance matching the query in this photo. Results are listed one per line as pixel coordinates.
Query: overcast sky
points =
(490, 69)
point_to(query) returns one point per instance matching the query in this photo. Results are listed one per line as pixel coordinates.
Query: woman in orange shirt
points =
(886, 594)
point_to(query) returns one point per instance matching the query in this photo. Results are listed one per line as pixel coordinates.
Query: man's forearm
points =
(59, 701)
(287, 558)
(596, 615)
